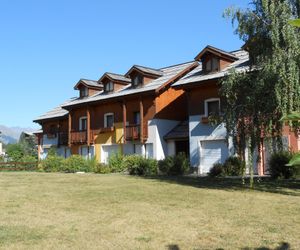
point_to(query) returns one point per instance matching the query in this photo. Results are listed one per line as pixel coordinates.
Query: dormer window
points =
(212, 65)
(109, 87)
(137, 80)
(84, 92)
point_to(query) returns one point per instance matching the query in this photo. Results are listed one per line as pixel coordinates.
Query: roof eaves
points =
(216, 51)
(144, 70)
(181, 74)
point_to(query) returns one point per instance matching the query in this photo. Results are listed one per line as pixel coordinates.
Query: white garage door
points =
(107, 151)
(212, 152)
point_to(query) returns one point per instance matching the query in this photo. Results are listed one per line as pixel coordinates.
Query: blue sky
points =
(47, 46)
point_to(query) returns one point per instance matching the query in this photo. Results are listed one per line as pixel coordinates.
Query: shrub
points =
(101, 168)
(277, 164)
(115, 163)
(217, 170)
(30, 159)
(91, 164)
(52, 163)
(234, 166)
(52, 151)
(174, 165)
(75, 163)
(138, 165)
(294, 166)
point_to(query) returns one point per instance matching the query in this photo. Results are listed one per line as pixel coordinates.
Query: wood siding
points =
(198, 95)
(171, 105)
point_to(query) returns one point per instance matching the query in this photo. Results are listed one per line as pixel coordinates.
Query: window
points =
(212, 65)
(83, 124)
(109, 87)
(52, 131)
(137, 118)
(137, 80)
(108, 120)
(84, 92)
(212, 107)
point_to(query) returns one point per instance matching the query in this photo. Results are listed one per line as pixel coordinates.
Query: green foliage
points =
(174, 165)
(295, 22)
(278, 164)
(295, 161)
(52, 163)
(138, 165)
(101, 168)
(52, 151)
(28, 143)
(216, 170)
(15, 152)
(256, 100)
(75, 163)
(234, 166)
(115, 163)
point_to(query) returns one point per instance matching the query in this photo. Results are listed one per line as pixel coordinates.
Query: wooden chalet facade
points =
(151, 112)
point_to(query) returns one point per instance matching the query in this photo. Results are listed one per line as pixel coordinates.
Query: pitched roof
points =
(168, 74)
(198, 75)
(147, 70)
(180, 131)
(216, 51)
(115, 77)
(88, 83)
(57, 112)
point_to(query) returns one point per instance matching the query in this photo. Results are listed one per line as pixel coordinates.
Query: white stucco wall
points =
(50, 141)
(157, 129)
(87, 152)
(204, 132)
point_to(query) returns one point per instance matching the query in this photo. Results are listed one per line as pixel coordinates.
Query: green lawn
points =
(73, 211)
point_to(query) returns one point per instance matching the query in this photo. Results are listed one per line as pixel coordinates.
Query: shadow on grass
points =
(282, 246)
(285, 187)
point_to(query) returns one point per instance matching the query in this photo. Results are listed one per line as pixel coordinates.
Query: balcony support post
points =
(142, 121)
(124, 121)
(88, 129)
(70, 129)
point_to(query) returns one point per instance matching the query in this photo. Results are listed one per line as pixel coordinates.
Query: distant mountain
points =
(12, 134)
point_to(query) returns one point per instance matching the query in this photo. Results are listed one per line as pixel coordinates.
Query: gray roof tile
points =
(197, 75)
(116, 77)
(146, 70)
(168, 74)
(89, 83)
(57, 112)
(180, 131)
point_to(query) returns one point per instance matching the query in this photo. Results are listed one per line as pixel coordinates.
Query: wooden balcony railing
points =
(133, 132)
(78, 137)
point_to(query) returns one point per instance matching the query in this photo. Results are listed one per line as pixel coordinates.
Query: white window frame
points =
(105, 119)
(80, 122)
(206, 105)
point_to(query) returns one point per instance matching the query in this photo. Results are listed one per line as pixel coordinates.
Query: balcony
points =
(78, 137)
(133, 132)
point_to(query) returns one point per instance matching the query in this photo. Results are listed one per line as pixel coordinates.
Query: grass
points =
(72, 211)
